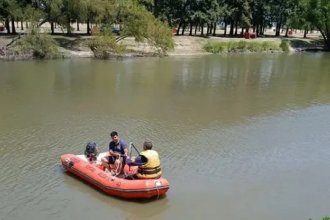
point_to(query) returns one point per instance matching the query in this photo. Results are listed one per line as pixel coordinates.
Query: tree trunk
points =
(225, 32)
(305, 32)
(183, 29)
(88, 28)
(256, 30)
(286, 32)
(207, 29)
(214, 28)
(26, 25)
(22, 26)
(278, 29)
(68, 26)
(17, 26)
(191, 29)
(7, 24)
(52, 27)
(196, 29)
(13, 26)
(202, 31)
(236, 26)
(78, 26)
(326, 37)
(178, 30)
(231, 32)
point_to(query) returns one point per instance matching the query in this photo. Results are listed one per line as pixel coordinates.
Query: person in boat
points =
(118, 151)
(148, 163)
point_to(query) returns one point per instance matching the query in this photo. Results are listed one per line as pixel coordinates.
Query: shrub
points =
(104, 44)
(139, 23)
(241, 46)
(285, 47)
(160, 36)
(269, 46)
(40, 45)
(215, 47)
(254, 47)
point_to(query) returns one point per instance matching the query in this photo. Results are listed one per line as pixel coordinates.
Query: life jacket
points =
(151, 169)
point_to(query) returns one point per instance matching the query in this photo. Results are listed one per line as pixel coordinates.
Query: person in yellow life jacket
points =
(149, 167)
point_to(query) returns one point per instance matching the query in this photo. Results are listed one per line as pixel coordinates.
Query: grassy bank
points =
(54, 46)
(245, 46)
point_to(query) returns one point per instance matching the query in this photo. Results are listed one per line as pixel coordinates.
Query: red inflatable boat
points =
(112, 185)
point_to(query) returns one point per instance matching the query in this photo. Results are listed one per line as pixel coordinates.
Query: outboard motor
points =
(91, 151)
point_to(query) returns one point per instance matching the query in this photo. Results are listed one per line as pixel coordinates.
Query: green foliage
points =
(149, 20)
(284, 45)
(160, 36)
(241, 46)
(38, 44)
(137, 22)
(32, 14)
(254, 47)
(319, 15)
(104, 45)
(269, 46)
(215, 47)
(240, 11)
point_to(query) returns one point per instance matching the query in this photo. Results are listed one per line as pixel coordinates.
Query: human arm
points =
(113, 153)
(118, 149)
(138, 161)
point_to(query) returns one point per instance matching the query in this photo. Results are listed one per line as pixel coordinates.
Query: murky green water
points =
(240, 137)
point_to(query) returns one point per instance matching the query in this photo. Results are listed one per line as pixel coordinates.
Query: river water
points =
(240, 136)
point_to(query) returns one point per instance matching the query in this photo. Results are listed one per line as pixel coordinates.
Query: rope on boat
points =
(158, 194)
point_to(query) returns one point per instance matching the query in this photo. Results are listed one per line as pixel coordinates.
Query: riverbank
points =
(76, 46)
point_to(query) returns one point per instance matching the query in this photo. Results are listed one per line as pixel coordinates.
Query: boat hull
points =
(111, 185)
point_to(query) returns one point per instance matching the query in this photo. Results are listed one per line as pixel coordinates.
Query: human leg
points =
(116, 166)
(105, 162)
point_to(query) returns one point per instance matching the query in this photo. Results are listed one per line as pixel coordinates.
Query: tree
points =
(299, 19)
(8, 10)
(281, 10)
(136, 21)
(319, 16)
(260, 15)
(238, 13)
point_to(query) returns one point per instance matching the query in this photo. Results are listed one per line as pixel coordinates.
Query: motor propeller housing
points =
(91, 151)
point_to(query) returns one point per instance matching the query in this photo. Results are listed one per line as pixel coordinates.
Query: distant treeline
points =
(244, 15)
(185, 15)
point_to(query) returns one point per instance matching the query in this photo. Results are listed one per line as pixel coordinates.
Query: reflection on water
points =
(237, 134)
